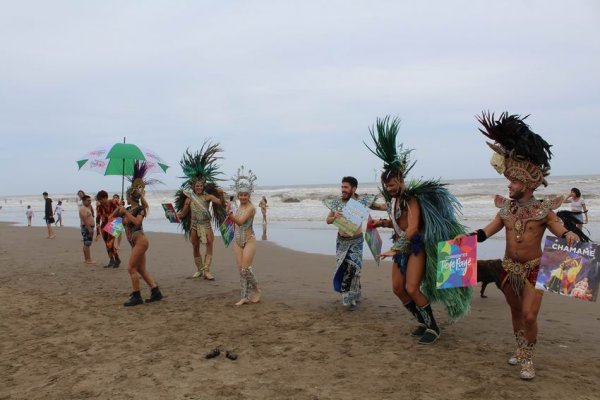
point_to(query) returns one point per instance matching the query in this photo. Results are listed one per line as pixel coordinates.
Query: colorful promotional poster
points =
(115, 227)
(571, 271)
(342, 223)
(457, 263)
(170, 213)
(227, 229)
(355, 212)
(373, 240)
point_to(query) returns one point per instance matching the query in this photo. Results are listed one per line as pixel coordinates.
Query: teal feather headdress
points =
(396, 159)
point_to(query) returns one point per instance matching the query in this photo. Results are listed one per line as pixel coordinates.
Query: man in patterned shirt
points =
(104, 209)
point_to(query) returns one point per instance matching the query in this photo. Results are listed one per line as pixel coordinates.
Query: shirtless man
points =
(87, 227)
(523, 157)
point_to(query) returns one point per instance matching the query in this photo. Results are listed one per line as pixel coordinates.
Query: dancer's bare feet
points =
(242, 302)
(89, 262)
(255, 296)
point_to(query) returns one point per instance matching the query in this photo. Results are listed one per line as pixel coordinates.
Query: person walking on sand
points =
(578, 207)
(58, 211)
(29, 214)
(348, 247)
(244, 241)
(523, 157)
(48, 215)
(87, 228)
(104, 210)
(133, 218)
(194, 200)
(116, 199)
(421, 213)
(263, 209)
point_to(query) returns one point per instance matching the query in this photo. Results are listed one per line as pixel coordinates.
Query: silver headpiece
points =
(243, 182)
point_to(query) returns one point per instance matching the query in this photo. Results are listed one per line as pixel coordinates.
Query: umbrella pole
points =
(123, 177)
(123, 181)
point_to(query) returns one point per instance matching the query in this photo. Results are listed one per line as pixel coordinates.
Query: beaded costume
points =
(244, 183)
(523, 156)
(244, 232)
(201, 167)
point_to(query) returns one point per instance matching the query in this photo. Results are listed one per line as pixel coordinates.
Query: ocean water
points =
(296, 214)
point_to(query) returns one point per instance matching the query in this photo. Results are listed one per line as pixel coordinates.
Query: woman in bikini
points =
(133, 218)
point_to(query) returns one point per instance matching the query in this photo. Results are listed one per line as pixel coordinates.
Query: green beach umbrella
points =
(119, 158)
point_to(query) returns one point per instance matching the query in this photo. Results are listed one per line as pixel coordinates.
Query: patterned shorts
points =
(87, 236)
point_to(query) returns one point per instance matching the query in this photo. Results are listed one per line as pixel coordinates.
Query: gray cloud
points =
(290, 88)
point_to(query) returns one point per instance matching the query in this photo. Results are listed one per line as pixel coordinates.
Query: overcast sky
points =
(289, 88)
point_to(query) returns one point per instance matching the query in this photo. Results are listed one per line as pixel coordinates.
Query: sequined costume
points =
(521, 156)
(201, 219)
(244, 232)
(130, 228)
(515, 216)
(243, 182)
(201, 166)
(348, 256)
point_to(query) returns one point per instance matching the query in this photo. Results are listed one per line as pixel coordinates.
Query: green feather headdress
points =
(201, 165)
(396, 159)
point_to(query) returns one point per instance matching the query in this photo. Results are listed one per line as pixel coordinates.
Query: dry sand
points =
(66, 335)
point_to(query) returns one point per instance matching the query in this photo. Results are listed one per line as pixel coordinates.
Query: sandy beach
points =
(66, 335)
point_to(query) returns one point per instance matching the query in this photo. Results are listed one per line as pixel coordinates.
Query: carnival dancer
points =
(421, 213)
(348, 247)
(244, 240)
(133, 218)
(523, 157)
(193, 203)
(104, 210)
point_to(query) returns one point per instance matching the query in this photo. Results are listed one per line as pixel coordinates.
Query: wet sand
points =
(66, 335)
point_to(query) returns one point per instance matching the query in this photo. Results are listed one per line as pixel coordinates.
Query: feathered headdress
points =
(139, 181)
(520, 154)
(396, 160)
(243, 182)
(202, 165)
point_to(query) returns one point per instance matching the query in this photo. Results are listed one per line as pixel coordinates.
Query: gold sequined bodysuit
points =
(244, 232)
(200, 220)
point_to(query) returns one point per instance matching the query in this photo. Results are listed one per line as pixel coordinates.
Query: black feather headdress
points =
(521, 154)
(139, 181)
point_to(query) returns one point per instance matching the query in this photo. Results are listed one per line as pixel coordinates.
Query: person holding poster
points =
(104, 210)
(349, 243)
(193, 203)
(421, 213)
(523, 157)
(244, 241)
(133, 218)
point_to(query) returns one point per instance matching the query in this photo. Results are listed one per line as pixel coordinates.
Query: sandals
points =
(217, 352)
(213, 353)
